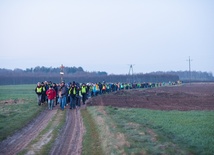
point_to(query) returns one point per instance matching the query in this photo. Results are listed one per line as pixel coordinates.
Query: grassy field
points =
(18, 106)
(91, 140)
(17, 92)
(142, 131)
(112, 130)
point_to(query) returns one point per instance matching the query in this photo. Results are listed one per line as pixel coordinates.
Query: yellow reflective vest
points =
(83, 89)
(39, 89)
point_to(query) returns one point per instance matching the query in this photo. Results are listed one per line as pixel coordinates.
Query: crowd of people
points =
(76, 94)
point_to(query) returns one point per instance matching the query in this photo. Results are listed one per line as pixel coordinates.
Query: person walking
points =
(94, 90)
(78, 96)
(84, 93)
(73, 93)
(103, 88)
(59, 100)
(51, 94)
(63, 95)
(97, 89)
(39, 91)
(100, 87)
(56, 90)
(43, 92)
(46, 87)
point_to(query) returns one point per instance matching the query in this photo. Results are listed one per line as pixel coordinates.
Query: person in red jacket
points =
(51, 94)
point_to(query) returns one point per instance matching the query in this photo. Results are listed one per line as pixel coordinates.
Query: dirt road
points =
(68, 142)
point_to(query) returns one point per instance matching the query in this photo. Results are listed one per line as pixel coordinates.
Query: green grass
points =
(91, 140)
(15, 115)
(165, 132)
(17, 92)
(112, 141)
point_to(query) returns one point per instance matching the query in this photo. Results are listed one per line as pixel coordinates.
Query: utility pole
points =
(131, 69)
(131, 72)
(190, 75)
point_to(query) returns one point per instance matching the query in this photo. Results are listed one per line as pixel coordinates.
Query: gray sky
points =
(108, 35)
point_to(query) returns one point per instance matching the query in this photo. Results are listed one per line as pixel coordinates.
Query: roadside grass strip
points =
(42, 144)
(165, 132)
(112, 141)
(91, 140)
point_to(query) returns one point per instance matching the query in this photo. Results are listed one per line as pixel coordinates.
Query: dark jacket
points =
(64, 91)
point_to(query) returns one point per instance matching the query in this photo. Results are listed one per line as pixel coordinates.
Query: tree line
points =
(34, 75)
(51, 70)
(193, 75)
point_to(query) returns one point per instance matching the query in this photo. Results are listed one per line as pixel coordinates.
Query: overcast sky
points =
(108, 35)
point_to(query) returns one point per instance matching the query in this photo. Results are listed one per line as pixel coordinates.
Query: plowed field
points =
(186, 97)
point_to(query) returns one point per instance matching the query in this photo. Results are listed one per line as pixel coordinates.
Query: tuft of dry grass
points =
(113, 141)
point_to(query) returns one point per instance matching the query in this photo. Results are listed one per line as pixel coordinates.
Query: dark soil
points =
(185, 97)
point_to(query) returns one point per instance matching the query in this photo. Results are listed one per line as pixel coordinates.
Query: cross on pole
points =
(61, 72)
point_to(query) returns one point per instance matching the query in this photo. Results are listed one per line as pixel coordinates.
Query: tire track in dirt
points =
(70, 140)
(18, 141)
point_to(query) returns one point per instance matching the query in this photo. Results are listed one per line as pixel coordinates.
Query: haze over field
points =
(108, 35)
